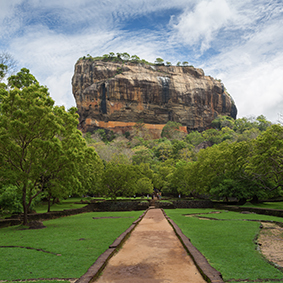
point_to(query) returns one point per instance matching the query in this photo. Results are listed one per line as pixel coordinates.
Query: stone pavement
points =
(153, 254)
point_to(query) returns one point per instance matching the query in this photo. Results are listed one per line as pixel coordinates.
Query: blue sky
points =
(239, 42)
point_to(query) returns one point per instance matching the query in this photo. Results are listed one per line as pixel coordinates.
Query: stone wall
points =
(265, 211)
(108, 206)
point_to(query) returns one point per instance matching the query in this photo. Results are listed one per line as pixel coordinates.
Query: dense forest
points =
(44, 156)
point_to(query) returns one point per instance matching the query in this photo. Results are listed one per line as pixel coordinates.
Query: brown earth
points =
(271, 243)
(152, 254)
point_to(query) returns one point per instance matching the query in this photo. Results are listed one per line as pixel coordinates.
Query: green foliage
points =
(3, 71)
(223, 121)
(159, 61)
(10, 199)
(41, 149)
(7, 64)
(22, 79)
(266, 162)
(194, 138)
(106, 136)
(144, 186)
(119, 180)
(171, 130)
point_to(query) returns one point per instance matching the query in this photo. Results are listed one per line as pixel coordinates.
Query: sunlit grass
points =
(272, 205)
(228, 245)
(74, 243)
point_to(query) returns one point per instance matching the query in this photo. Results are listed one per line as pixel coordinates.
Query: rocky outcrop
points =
(116, 95)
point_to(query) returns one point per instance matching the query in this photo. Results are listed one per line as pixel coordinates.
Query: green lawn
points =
(64, 204)
(273, 205)
(228, 245)
(74, 243)
(230, 215)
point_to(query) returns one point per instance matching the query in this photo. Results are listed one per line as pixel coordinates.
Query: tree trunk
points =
(255, 199)
(25, 207)
(49, 203)
(242, 201)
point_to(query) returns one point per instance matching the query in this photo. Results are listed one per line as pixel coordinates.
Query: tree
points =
(144, 186)
(7, 60)
(125, 56)
(3, 71)
(40, 146)
(262, 123)
(135, 59)
(159, 61)
(194, 138)
(185, 63)
(119, 180)
(223, 121)
(142, 154)
(266, 162)
(171, 130)
(22, 79)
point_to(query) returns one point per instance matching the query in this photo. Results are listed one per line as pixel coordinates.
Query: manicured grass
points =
(230, 215)
(228, 245)
(74, 243)
(273, 205)
(69, 203)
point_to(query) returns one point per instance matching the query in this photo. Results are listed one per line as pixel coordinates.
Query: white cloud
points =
(201, 24)
(246, 35)
(253, 71)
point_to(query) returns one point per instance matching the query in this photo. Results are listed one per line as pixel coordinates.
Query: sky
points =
(239, 42)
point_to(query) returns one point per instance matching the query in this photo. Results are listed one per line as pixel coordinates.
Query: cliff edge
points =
(110, 95)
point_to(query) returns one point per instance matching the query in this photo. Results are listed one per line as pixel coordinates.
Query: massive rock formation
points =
(117, 95)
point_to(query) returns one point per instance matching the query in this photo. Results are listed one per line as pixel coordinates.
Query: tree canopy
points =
(41, 150)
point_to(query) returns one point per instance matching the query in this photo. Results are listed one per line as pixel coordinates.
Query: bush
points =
(10, 199)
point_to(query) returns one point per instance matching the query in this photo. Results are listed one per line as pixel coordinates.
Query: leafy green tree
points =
(10, 199)
(195, 138)
(266, 162)
(9, 63)
(262, 123)
(135, 59)
(40, 146)
(171, 130)
(144, 186)
(185, 63)
(178, 63)
(212, 135)
(161, 173)
(119, 180)
(223, 121)
(168, 63)
(22, 79)
(177, 146)
(142, 154)
(243, 124)
(125, 56)
(159, 61)
(164, 150)
(3, 71)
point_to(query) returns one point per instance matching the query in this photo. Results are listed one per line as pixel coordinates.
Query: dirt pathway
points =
(152, 254)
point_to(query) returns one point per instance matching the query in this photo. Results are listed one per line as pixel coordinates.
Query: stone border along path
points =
(156, 251)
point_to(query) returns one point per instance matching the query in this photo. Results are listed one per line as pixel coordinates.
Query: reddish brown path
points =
(152, 254)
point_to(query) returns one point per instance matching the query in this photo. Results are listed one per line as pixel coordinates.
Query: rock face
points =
(117, 95)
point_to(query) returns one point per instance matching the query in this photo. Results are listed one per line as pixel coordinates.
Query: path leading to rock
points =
(152, 254)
